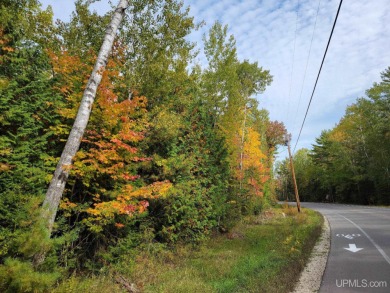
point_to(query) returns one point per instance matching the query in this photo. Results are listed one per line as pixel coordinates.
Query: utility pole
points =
(287, 142)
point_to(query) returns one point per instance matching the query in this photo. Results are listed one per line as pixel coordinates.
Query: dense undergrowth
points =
(263, 253)
(173, 153)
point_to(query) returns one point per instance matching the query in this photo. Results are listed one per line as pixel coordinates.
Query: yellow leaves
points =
(66, 168)
(252, 163)
(109, 209)
(167, 124)
(8, 49)
(60, 130)
(139, 101)
(106, 210)
(253, 155)
(337, 135)
(157, 189)
(66, 64)
(129, 203)
(81, 154)
(67, 206)
(106, 161)
(164, 187)
(48, 178)
(101, 215)
(5, 151)
(4, 167)
(4, 82)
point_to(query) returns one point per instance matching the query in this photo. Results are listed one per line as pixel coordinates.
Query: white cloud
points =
(264, 31)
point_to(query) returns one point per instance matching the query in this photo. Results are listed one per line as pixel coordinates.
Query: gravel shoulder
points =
(311, 276)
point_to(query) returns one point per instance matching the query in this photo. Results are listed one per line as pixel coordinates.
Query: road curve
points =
(359, 257)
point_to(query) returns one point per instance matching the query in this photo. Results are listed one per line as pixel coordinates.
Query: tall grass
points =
(262, 254)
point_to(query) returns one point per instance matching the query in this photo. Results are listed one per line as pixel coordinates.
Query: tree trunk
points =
(57, 184)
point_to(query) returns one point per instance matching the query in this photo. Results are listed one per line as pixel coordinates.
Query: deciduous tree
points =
(57, 184)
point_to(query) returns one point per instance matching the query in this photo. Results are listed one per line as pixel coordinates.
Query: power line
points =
(307, 62)
(319, 72)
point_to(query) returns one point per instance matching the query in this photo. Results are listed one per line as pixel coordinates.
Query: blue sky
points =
(278, 34)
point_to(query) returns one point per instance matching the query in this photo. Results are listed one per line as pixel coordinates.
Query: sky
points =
(288, 38)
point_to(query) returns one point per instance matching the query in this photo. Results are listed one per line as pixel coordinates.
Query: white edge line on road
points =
(385, 256)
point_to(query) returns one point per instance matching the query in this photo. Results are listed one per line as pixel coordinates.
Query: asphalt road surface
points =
(359, 257)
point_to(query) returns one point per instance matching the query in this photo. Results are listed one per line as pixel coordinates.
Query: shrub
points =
(20, 276)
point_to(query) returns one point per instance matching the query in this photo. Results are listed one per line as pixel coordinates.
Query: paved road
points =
(359, 258)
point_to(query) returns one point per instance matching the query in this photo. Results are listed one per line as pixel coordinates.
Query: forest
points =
(173, 152)
(349, 163)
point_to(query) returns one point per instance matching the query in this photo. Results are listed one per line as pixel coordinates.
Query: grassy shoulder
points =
(263, 253)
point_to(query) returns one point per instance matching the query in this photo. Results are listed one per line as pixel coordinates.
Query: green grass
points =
(262, 254)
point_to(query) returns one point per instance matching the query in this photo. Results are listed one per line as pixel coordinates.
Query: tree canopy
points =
(171, 154)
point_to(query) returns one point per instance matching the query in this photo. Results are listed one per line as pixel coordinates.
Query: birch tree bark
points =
(58, 182)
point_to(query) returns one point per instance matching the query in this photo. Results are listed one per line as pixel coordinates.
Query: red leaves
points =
(106, 161)
(275, 133)
(130, 177)
(123, 145)
(129, 209)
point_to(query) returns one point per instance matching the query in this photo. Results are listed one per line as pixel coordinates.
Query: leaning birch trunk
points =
(57, 184)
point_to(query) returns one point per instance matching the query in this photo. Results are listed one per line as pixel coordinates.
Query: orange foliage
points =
(106, 160)
(254, 169)
(4, 48)
(124, 204)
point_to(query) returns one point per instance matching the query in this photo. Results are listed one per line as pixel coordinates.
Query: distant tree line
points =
(351, 162)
